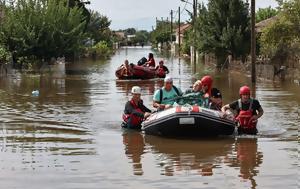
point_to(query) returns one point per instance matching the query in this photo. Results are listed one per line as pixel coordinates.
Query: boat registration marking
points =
(186, 120)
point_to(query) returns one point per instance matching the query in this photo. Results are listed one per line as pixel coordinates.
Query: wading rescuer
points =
(248, 111)
(135, 111)
(161, 69)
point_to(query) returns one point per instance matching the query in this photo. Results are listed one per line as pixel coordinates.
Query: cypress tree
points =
(223, 28)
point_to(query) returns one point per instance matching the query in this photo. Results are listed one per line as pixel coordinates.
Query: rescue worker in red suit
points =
(248, 110)
(161, 69)
(151, 61)
(206, 83)
(135, 111)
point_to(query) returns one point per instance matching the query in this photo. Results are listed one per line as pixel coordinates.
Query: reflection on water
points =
(189, 156)
(134, 147)
(177, 156)
(195, 157)
(247, 158)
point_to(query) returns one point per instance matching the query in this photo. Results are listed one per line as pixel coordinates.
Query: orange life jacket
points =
(132, 119)
(245, 115)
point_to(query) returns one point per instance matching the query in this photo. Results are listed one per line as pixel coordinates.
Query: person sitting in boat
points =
(135, 111)
(127, 70)
(197, 87)
(215, 99)
(193, 96)
(206, 83)
(248, 110)
(200, 94)
(165, 97)
(151, 61)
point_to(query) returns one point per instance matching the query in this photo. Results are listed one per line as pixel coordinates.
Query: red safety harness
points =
(245, 115)
(134, 120)
(160, 72)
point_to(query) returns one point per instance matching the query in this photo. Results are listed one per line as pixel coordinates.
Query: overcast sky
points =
(140, 14)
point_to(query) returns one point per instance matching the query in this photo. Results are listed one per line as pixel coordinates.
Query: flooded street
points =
(70, 137)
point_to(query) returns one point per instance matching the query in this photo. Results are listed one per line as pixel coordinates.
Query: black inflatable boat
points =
(192, 121)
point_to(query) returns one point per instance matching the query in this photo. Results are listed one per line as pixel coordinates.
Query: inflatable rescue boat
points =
(182, 121)
(139, 72)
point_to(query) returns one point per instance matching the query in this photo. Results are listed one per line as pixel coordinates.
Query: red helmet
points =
(206, 80)
(245, 90)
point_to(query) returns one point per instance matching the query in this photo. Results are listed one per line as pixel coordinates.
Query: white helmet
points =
(168, 79)
(136, 90)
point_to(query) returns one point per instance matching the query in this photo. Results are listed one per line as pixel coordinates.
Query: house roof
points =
(183, 28)
(120, 34)
(262, 24)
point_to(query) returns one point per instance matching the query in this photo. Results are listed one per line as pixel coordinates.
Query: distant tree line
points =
(134, 37)
(162, 32)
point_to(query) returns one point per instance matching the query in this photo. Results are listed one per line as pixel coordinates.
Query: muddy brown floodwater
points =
(70, 137)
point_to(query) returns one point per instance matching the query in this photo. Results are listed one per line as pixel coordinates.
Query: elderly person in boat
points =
(200, 94)
(135, 111)
(165, 97)
(193, 96)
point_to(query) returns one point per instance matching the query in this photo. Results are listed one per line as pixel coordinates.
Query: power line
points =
(183, 11)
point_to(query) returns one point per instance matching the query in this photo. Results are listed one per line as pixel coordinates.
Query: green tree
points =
(98, 28)
(281, 39)
(4, 55)
(130, 31)
(81, 5)
(265, 13)
(42, 29)
(141, 37)
(162, 32)
(223, 28)
(188, 40)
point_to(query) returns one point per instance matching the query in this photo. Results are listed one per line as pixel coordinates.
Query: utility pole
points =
(194, 31)
(179, 42)
(171, 39)
(253, 42)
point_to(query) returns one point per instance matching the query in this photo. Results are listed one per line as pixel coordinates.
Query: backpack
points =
(161, 93)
